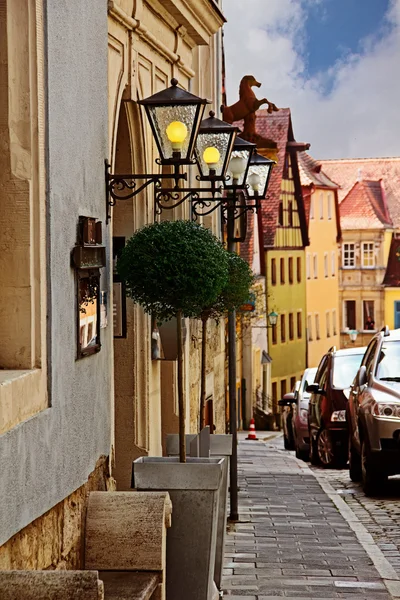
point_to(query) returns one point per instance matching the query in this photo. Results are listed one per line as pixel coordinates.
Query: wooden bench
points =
(125, 554)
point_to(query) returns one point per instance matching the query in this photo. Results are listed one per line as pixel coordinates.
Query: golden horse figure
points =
(247, 106)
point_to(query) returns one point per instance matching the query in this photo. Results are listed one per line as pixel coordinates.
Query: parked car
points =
(374, 413)
(287, 403)
(300, 415)
(327, 408)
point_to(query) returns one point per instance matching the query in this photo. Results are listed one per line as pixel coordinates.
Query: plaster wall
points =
(149, 42)
(360, 283)
(48, 456)
(392, 295)
(322, 284)
(288, 357)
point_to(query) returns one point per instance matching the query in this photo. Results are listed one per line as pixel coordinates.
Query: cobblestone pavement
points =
(379, 515)
(292, 541)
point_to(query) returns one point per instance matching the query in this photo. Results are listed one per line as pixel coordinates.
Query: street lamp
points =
(174, 116)
(273, 319)
(353, 335)
(175, 120)
(259, 174)
(239, 164)
(214, 147)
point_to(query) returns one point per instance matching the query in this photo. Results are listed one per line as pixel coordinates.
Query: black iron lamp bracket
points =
(204, 200)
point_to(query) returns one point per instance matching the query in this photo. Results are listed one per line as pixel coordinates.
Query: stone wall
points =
(55, 540)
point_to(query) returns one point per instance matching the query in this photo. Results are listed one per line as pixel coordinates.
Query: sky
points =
(335, 63)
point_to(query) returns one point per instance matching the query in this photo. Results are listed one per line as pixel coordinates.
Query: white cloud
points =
(359, 118)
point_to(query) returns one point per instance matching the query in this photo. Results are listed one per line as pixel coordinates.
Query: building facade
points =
(255, 367)
(391, 285)
(148, 44)
(81, 390)
(55, 341)
(364, 258)
(367, 232)
(322, 276)
(284, 239)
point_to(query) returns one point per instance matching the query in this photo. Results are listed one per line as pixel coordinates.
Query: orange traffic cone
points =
(252, 431)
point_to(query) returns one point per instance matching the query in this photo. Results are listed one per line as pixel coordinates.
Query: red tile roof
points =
(346, 172)
(392, 275)
(278, 128)
(365, 207)
(311, 172)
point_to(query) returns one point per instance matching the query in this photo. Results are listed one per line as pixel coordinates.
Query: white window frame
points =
(348, 266)
(326, 265)
(315, 265)
(364, 245)
(362, 314)
(345, 312)
(321, 205)
(308, 265)
(333, 263)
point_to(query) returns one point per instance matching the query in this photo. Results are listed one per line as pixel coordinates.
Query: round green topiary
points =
(174, 266)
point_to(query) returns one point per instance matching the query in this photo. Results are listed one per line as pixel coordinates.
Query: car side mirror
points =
(362, 376)
(312, 388)
(315, 389)
(284, 402)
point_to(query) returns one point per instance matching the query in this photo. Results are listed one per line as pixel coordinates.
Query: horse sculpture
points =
(246, 107)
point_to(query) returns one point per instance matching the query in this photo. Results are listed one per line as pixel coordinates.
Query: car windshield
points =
(308, 379)
(388, 367)
(345, 369)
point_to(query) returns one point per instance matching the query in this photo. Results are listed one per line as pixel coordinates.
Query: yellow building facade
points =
(322, 276)
(285, 238)
(151, 42)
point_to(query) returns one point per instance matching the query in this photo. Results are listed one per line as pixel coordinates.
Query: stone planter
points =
(221, 446)
(194, 489)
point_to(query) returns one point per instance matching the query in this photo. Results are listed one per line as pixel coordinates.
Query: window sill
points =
(22, 395)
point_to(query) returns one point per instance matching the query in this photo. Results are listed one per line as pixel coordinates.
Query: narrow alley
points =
(297, 537)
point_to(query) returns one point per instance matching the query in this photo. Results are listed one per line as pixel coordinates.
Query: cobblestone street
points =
(304, 534)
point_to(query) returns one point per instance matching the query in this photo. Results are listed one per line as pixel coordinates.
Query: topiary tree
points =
(235, 293)
(174, 269)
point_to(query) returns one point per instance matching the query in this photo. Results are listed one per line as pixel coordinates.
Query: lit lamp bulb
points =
(211, 157)
(254, 180)
(237, 167)
(176, 133)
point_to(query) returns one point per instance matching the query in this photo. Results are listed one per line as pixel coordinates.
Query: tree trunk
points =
(204, 321)
(181, 400)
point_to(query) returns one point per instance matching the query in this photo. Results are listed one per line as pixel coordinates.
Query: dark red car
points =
(327, 408)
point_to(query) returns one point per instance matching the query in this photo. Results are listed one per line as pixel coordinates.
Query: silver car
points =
(374, 413)
(300, 415)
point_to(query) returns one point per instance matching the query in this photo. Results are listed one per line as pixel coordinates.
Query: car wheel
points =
(372, 478)
(313, 453)
(325, 449)
(354, 462)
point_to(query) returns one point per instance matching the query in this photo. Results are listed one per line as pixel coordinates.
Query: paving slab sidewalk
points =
(292, 540)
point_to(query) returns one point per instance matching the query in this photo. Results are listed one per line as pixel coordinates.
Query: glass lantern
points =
(239, 163)
(259, 175)
(214, 147)
(174, 116)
